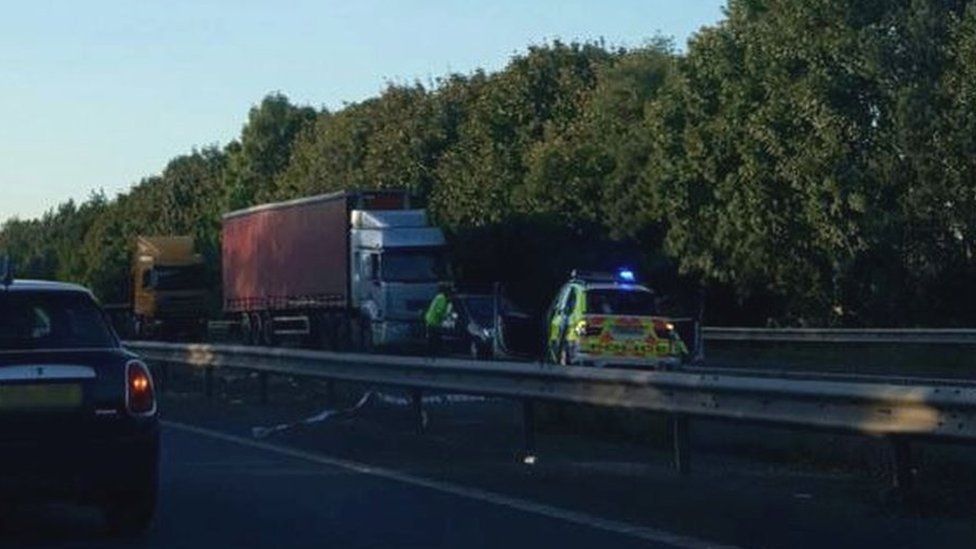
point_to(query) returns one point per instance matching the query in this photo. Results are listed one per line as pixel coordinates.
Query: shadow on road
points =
(56, 524)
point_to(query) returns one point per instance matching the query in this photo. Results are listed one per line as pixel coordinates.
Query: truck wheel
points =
(345, 335)
(334, 332)
(330, 335)
(361, 335)
(246, 332)
(257, 329)
(366, 335)
(267, 330)
(317, 330)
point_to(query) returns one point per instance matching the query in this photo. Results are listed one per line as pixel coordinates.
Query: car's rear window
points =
(51, 320)
(629, 302)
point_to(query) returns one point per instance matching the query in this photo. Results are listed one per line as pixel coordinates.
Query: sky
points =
(98, 94)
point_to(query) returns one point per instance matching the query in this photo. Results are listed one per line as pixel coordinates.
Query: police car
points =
(77, 411)
(608, 319)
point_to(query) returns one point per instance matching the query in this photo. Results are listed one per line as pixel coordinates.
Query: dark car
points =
(78, 414)
(489, 326)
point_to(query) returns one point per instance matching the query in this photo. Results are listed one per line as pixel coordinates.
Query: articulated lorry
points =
(347, 270)
(168, 288)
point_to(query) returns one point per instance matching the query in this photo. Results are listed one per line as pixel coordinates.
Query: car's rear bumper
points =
(78, 465)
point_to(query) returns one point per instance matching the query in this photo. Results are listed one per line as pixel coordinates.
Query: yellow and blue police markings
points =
(598, 336)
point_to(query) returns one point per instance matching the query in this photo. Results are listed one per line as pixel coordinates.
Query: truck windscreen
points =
(412, 267)
(177, 278)
(620, 302)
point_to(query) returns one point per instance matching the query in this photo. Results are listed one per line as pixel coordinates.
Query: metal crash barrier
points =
(915, 336)
(896, 411)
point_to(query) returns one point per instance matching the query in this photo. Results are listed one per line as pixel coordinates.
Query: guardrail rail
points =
(951, 336)
(896, 411)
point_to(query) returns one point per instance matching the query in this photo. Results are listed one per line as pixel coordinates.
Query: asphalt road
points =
(221, 492)
(366, 479)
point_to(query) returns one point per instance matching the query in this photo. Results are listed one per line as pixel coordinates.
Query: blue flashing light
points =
(626, 275)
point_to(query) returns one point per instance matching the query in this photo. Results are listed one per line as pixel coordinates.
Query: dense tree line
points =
(804, 161)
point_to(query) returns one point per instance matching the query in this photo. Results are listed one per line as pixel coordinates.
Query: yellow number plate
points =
(40, 397)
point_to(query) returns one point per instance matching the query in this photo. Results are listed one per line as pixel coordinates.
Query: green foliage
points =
(796, 157)
(483, 172)
(264, 149)
(808, 161)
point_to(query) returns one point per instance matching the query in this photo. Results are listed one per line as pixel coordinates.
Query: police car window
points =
(620, 302)
(51, 320)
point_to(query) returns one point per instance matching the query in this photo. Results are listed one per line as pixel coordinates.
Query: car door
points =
(561, 317)
(554, 322)
(566, 314)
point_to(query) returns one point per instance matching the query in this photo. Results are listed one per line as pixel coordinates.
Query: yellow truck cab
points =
(608, 319)
(169, 295)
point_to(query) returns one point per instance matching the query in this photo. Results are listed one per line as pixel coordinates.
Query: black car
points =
(489, 326)
(78, 414)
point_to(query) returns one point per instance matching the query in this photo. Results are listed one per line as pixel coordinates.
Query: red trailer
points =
(287, 266)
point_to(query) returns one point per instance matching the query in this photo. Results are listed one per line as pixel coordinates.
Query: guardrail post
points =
(680, 444)
(263, 386)
(208, 381)
(903, 476)
(417, 406)
(528, 431)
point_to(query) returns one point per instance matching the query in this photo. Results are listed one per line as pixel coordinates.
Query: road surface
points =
(220, 491)
(368, 480)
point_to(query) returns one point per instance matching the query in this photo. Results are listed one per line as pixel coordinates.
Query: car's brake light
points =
(140, 397)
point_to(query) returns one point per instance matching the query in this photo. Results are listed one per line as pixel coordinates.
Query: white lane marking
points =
(518, 504)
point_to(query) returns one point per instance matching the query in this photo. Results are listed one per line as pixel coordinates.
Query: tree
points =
(265, 148)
